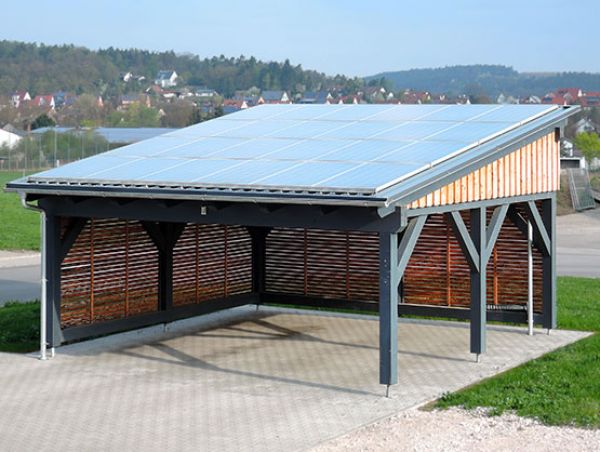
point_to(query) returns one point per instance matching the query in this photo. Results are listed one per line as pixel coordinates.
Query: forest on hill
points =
(40, 68)
(490, 80)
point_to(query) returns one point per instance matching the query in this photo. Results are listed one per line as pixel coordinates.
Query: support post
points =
(478, 281)
(165, 237)
(388, 308)
(549, 264)
(52, 261)
(165, 279)
(259, 255)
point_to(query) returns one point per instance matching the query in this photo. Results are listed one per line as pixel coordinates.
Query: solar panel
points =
(352, 148)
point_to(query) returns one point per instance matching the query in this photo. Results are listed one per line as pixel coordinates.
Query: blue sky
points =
(334, 36)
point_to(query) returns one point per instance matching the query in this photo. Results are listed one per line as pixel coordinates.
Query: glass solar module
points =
(351, 148)
(309, 149)
(83, 168)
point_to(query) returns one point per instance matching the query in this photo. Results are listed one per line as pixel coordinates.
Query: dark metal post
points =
(165, 279)
(478, 282)
(165, 237)
(388, 308)
(549, 265)
(259, 257)
(53, 260)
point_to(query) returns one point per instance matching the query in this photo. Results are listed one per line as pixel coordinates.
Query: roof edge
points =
(453, 169)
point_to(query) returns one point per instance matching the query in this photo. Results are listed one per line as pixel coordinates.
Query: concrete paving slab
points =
(242, 380)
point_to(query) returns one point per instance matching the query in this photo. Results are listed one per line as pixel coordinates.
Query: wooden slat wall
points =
(531, 169)
(438, 273)
(336, 264)
(111, 272)
(327, 264)
(211, 261)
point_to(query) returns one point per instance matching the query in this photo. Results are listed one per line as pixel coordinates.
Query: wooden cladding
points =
(211, 261)
(111, 272)
(327, 264)
(531, 169)
(438, 273)
(344, 265)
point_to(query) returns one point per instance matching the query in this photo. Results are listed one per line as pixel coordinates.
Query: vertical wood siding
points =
(531, 169)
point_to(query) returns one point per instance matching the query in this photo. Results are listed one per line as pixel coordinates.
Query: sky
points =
(351, 37)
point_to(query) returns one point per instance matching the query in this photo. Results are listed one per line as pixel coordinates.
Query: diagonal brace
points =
(464, 239)
(539, 229)
(70, 236)
(409, 240)
(493, 230)
(521, 224)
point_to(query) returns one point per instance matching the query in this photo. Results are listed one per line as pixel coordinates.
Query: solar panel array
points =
(316, 148)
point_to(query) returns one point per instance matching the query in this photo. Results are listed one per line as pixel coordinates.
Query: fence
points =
(581, 190)
(37, 151)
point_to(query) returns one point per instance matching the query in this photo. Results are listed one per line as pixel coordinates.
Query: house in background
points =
(44, 100)
(316, 97)
(205, 93)
(129, 99)
(233, 105)
(274, 97)
(64, 99)
(166, 79)
(19, 97)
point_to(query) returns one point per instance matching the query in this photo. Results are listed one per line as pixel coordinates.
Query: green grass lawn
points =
(20, 327)
(19, 228)
(560, 388)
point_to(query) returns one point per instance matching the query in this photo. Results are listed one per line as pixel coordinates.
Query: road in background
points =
(578, 244)
(19, 276)
(19, 284)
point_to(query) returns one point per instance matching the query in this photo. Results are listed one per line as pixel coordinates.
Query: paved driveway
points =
(267, 380)
(578, 244)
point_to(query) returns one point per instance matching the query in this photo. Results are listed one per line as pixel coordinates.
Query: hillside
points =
(487, 79)
(40, 68)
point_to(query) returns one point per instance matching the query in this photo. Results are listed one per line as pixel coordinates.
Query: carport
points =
(400, 209)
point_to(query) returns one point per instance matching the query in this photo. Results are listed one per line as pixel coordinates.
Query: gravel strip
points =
(460, 430)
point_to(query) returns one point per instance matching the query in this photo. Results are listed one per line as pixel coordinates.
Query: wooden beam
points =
(464, 239)
(409, 240)
(388, 308)
(493, 230)
(70, 236)
(478, 283)
(539, 229)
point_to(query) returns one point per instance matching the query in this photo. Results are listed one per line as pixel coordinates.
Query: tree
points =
(588, 144)
(42, 120)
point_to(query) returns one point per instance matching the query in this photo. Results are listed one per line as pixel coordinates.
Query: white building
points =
(166, 79)
(8, 138)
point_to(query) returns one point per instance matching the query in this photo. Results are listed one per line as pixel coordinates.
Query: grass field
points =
(19, 327)
(560, 388)
(19, 228)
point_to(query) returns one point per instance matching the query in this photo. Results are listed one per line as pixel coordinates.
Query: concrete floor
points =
(271, 379)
